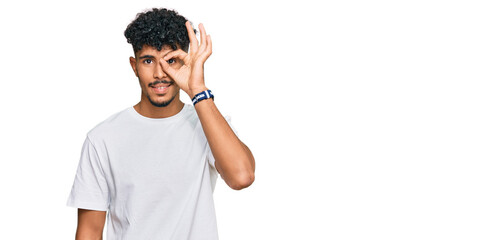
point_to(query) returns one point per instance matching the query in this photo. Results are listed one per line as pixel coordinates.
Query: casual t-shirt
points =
(154, 176)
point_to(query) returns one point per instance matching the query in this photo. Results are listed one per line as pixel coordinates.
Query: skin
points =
(147, 67)
(90, 224)
(233, 159)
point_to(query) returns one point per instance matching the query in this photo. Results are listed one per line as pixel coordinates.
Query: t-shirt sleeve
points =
(211, 159)
(90, 189)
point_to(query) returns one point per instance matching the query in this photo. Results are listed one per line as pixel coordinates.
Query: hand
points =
(190, 76)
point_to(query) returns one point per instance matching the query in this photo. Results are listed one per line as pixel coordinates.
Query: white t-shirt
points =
(154, 176)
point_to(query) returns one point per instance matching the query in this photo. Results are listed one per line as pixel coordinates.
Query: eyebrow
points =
(146, 56)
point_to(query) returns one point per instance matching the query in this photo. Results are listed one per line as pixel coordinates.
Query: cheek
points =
(144, 76)
(143, 80)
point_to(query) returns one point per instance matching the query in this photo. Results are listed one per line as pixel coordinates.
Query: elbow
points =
(242, 174)
(243, 181)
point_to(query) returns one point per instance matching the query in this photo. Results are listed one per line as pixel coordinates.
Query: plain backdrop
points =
(367, 119)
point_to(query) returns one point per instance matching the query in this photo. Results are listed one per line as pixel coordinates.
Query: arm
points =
(233, 160)
(90, 224)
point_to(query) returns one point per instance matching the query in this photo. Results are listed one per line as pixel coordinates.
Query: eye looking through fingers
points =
(175, 62)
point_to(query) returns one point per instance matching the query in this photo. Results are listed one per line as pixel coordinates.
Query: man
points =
(153, 166)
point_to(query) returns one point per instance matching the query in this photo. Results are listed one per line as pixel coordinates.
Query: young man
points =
(153, 166)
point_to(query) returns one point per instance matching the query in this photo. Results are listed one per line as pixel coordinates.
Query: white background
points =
(367, 119)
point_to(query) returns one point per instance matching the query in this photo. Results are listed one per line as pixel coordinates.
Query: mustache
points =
(160, 81)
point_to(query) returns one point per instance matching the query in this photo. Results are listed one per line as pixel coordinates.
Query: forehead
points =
(152, 51)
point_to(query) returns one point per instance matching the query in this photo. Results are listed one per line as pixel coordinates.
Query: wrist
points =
(192, 92)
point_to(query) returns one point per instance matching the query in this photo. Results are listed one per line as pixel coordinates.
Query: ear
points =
(132, 61)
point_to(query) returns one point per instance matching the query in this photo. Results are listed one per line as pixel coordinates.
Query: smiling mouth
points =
(161, 88)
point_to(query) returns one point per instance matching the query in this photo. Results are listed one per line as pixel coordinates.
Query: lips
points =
(161, 88)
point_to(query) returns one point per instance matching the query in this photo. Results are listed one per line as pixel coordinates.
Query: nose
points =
(158, 72)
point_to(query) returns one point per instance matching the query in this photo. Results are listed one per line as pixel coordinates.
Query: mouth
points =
(161, 88)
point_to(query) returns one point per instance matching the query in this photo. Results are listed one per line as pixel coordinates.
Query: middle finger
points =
(202, 36)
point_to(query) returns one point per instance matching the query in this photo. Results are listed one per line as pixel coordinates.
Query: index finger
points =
(180, 54)
(192, 37)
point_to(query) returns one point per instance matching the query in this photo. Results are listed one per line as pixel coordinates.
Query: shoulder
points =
(109, 125)
(190, 116)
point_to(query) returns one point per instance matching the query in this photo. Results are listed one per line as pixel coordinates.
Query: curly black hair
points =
(156, 28)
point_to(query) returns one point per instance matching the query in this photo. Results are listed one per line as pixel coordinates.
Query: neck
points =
(146, 109)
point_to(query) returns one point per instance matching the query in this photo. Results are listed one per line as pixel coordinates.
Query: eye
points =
(171, 61)
(147, 61)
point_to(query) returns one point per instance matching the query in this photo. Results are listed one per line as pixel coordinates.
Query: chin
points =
(161, 103)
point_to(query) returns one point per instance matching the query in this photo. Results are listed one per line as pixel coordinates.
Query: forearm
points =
(234, 160)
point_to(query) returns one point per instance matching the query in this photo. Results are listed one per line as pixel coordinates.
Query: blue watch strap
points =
(202, 96)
